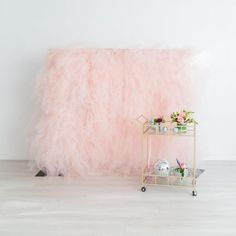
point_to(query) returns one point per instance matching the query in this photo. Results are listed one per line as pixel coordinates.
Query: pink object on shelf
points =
(183, 165)
(89, 99)
(180, 119)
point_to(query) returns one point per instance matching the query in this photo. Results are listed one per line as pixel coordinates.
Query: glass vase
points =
(182, 128)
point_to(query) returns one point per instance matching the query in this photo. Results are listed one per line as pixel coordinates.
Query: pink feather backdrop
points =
(90, 98)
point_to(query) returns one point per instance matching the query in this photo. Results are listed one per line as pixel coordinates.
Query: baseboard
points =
(12, 157)
(220, 158)
(26, 158)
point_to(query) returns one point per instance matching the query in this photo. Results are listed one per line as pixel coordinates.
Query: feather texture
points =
(89, 99)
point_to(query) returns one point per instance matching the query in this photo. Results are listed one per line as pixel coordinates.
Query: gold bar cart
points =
(152, 178)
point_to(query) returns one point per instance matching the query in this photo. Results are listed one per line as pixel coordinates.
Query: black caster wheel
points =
(194, 193)
(143, 189)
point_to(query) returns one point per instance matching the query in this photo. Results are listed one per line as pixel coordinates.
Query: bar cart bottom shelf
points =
(172, 180)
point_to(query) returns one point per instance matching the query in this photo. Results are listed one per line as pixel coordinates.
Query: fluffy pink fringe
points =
(89, 101)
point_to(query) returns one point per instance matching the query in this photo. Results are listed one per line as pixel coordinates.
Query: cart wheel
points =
(143, 189)
(194, 193)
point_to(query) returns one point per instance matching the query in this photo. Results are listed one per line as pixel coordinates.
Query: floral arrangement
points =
(183, 117)
(159, 120)
(181, 168)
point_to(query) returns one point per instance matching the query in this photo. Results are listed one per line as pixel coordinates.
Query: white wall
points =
(29, 27)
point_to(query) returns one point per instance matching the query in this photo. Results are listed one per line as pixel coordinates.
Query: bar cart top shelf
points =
(167, 128)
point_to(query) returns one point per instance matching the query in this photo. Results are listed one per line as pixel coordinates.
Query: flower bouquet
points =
(159, 120)
(182, 169)
(182, 119)
(156, 122)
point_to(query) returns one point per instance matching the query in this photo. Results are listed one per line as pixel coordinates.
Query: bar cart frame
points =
(147, 131)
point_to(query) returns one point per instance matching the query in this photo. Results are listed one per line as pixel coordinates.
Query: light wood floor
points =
(115, 205)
